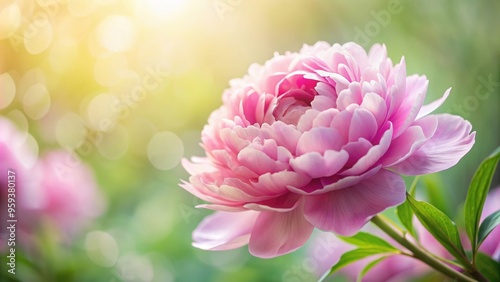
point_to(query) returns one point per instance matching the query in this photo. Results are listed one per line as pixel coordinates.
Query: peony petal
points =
(276, 183)
(316, 165)
(283, 203)
(224, 230)
(284, 134)
(198, 165)
(372, 156)
(279, 233)
(346, 211)
(377, 55)
(199, 190)
(225, 208)
(356, 150)
(376, 105)
(451, 141)
(349, 96)
(427, 109)
(363, 125)
(396, 85)
(410, 141)
(320, 139)
(258, 162)
(335, 182)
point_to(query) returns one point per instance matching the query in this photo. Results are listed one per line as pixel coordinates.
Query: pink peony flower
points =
(57, 188)
(316, 139)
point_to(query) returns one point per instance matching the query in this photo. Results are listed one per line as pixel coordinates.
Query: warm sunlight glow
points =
(160, 9)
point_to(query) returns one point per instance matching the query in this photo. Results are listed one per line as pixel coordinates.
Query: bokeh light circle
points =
(36, 101)
(113, 144)
(132, 267)
(101, 112)
(165, 150)
(116, 33)
(101, 248)
(62, 54)
(70, 130)
(10, 19)
(38, 35)
(8, 90)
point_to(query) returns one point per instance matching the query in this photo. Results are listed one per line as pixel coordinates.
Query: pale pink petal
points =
(349, 96)
(376, 105)
(316, 165)
(198, 165)
(258, 162)
(224, 208)
(429, 108)
(319, 140)
(363, 125)
(396, 85)
(410, 141)
(276, 183)
(416, 88)
(372, 156)
(279, 233)
(285, 135)
(224, 230)
(356, 150)
(451, 141)
(377, 54)
(327, 184)
(345, 211)
(283, 203)
(325, 118)
(199, 189)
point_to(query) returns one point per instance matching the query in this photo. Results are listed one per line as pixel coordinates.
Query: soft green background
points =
(202, 45)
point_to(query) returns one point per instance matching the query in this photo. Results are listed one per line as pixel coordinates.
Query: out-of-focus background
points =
(128, 86)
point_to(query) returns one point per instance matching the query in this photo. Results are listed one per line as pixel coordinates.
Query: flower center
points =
(292, 105)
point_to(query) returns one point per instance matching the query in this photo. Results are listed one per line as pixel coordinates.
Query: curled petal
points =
(224, 230)
(346, 211)
(320, 139)
(410, 141)
(279, 233)
(316, 165)
(451, 141)
(429, 108)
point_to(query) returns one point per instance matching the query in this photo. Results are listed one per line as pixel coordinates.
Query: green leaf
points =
(489, 223)
(478, 190)
(355, 255)
(368, 267)
(367, 240)
(440, 226)
(405, 213)
(488, 267)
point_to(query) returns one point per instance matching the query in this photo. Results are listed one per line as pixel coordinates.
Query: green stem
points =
(418, 252)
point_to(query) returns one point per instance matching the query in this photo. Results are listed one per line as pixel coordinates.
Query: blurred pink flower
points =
(491, 245)
(398, 267)
(316, 139)
(70, 198)
(16, 156)
(57, 188)
(393, 268)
